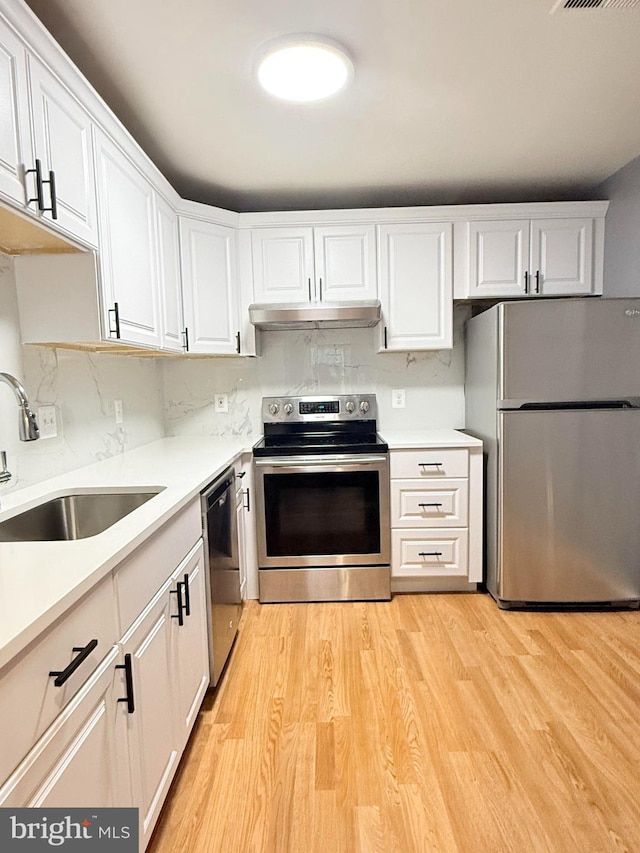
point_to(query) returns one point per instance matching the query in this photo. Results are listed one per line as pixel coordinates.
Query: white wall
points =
(332, 361)
(82, 386)
(622, 232)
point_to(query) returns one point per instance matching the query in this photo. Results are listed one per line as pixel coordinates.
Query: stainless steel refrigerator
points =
(553, 389)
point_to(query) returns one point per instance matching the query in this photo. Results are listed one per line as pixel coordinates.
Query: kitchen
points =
(177, 396)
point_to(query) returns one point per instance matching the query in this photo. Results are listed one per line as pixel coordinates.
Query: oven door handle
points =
(333, 463)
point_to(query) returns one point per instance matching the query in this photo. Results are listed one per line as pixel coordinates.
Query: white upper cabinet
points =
(499, 257)
(416, 285)
(282, 264)
(554, 256)
(169, 277)
(62, 145)
(128, 261)
(14, 125)
(46, 154)
(562, 257)
(345, 262)
(210, 287)
(315, 264)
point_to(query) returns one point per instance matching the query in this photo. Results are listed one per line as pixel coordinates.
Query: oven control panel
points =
(340, 407)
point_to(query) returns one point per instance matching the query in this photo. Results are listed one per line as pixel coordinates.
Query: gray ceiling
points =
(453, 101)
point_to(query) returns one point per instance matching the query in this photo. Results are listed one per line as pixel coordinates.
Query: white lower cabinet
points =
(113, 733)
(82, 760)
(436, 518)
(168, 655)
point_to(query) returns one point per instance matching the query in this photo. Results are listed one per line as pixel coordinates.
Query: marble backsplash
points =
(82, 387)
(176, 396)
(329, 361)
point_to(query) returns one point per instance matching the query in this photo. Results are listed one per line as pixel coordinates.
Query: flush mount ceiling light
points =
(303, 68)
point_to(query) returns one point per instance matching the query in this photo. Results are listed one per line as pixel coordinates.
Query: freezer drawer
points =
(568, 503)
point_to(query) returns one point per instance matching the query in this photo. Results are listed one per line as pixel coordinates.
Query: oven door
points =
(323, 511)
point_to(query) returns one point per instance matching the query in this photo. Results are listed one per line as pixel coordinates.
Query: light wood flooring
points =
(428, 723)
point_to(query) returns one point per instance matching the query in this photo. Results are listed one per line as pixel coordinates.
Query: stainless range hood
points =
(315, 315)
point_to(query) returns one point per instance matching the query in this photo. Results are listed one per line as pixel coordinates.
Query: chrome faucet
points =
(27, 423)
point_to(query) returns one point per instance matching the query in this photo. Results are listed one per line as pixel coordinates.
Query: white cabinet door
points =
(14, 125)
(210, 287)
(82, 759)
(62, 136)
(169, 277)
(498, 258)
(416, 285)
(561, 256)
(127, 248)
(151, 726)
(190, 646)
(345, 262)
(283, 268)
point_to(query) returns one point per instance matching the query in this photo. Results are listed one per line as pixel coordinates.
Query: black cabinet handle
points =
(430, 504)
(116, 318)
(526, 282)
(247, 506)
(179, 615)
(309, 280)
(429, 553)
(187, 597)
(430, 464)
(39, 199)
(320, 280)
(185, 337)
(53, 196)
(66, 673)
(537, 281)
(128, 674)
(240, 474)
(238, 342)
(385, 337)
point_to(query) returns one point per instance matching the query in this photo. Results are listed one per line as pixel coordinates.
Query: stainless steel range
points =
(322, 499)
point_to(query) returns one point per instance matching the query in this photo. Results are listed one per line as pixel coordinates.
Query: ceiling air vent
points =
(567, 5)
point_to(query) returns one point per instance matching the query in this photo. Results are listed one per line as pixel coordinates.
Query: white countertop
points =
(39, 581)
(420, 439)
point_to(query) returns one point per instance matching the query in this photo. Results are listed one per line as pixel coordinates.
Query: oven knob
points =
(287, 408)
(364, 406)
(274, 408)
(350, 406)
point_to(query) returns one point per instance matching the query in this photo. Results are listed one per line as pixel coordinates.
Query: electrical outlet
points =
(221, 403)
(47, 421)
(397, 398)
(118, 411)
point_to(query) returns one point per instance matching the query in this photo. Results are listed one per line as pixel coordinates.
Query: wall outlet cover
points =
(47, 421)
(221, 403)
(398, 398)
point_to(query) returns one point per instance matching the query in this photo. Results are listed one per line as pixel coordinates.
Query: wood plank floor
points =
(428, 723)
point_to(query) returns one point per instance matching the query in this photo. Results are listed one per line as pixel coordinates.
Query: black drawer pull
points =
(179, 615)
(67, 672)
(429, 553)
(430, 504)
(128, 674)
(39, 199)
(53, 195)
(187, 597)
(432, 464)
(247, 506)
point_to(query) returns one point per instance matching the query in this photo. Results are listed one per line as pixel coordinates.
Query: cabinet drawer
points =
(426, 464)
(439, 503)
(139, 578)
(29, 699)
(434, 553)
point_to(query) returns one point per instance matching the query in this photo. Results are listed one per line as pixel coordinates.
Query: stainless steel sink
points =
(75, 516)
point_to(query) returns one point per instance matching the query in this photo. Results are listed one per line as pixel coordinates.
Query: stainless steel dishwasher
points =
(223, 576)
